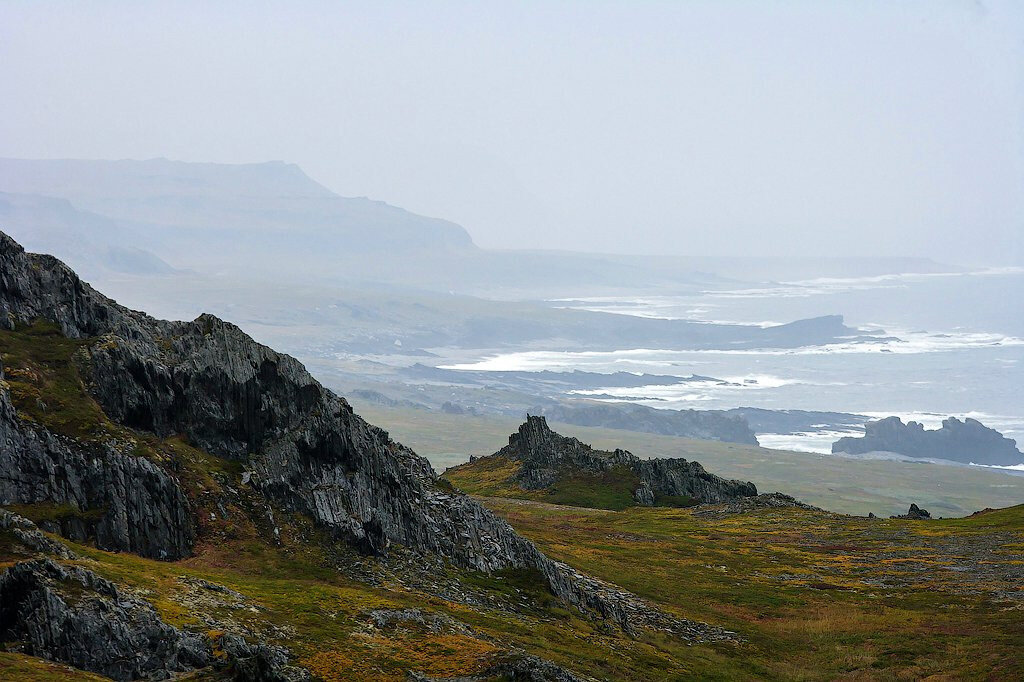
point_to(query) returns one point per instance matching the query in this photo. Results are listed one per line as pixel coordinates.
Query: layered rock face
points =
(546, 456)
(126, 503)
(72, 615)
(302, 446)
(967, 441)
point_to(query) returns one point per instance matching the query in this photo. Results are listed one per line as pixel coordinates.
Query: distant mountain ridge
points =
(94, 244)
(230, 215)
(272, 220)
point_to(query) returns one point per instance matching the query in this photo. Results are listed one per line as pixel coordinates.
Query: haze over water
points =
(954, 346)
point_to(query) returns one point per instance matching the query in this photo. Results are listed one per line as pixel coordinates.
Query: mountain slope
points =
(130, 432)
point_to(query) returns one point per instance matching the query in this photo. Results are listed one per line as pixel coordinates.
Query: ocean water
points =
(958, 351)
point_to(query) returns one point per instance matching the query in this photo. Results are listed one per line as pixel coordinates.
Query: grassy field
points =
(841, 484)
(811, 596)
(814, 595)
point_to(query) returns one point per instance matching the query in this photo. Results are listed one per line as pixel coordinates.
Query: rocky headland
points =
(968, 441)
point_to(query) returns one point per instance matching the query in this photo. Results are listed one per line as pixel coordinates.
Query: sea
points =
(952, 344)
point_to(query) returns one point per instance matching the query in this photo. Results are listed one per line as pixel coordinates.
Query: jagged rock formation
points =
(28, 534)
(518, 668)
(742, 505)
(546, 457)
(915, 513)
(74, 616)
(303, 448)
(700, 424)
(967, 441)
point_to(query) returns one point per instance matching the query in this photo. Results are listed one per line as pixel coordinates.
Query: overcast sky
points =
(815, 127)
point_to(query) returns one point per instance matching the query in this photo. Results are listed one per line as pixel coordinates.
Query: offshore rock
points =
(968, 441)
(546, 456)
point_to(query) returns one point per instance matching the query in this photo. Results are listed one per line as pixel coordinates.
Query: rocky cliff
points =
(547, 457)
(302, 449)
(967, 441)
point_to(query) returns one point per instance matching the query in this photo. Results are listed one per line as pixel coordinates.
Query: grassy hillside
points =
(493, 477)
(815, 595)
(841, 484)
(810, 595)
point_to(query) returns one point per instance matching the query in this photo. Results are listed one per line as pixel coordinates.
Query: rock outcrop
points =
(302, 447)
(71, 615)
(547, 456)
(915, 513)
(967, 441)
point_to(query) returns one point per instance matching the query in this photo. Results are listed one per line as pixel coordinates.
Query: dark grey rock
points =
(915, 513)
(742, 505)
(71, 615)
(259, 662)
(517, 667)
(140, 507)
(967, 441)
(546, 456)
(28, 534)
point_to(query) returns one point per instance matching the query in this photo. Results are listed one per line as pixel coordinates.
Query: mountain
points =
(968, 441)
(96, 245)
(141, 435)
(180, 502)
(224, 217)
(538, 463)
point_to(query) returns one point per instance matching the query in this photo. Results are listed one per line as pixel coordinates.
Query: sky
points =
(696, 128)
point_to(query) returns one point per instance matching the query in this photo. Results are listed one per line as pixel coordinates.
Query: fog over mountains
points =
(251, 220)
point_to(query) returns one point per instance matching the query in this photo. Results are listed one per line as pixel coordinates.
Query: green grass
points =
(22, 668)
(815, 596)
(41, 512)
(43, 379)
(495, 477)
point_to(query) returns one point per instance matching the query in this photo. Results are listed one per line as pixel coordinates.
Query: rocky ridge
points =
(547, 456)
(302, 447)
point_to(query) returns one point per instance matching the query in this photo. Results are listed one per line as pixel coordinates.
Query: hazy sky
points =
(660, 127)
